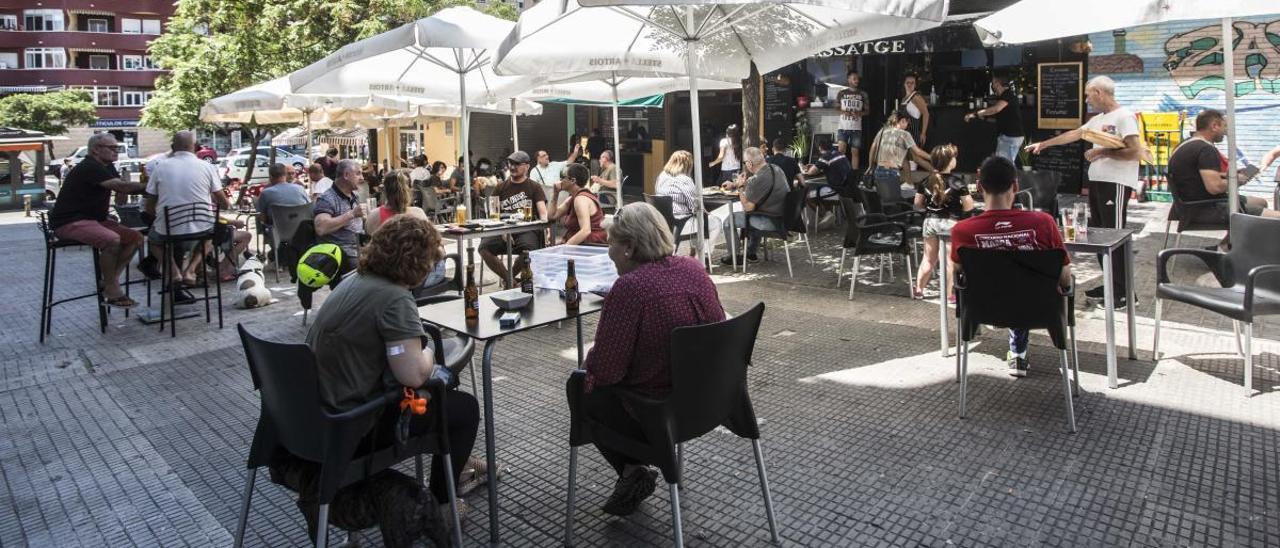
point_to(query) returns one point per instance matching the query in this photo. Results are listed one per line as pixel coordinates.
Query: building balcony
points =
(157, 7)
(80, 77)
(118, 42)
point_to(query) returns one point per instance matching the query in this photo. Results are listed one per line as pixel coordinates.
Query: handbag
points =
(873, 160)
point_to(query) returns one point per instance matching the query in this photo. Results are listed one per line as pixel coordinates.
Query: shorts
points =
(521, 242)
(99, 234)
(851, 137)
(933, 226)
(1218, 213)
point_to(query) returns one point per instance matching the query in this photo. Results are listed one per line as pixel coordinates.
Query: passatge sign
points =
(872, 47)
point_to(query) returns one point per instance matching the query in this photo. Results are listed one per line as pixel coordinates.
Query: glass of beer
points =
(461, 214)
(1068, 224)
(527, 211)
(495, 207)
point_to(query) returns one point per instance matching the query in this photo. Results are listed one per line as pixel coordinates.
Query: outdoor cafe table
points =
(719, 198)
(547, 307)
(1096, 241)
(488, 229)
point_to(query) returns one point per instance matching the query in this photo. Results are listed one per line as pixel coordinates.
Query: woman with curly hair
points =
(368, 332)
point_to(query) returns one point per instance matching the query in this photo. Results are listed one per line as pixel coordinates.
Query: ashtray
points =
(511, 299)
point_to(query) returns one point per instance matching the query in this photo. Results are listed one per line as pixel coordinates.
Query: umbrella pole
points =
(515, 132)
(307, 153)
(617, 143)
(695, 118)
(463, 122)
(1229, 66)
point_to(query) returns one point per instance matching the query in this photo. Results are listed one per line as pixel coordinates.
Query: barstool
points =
(203, 214)
(51, 246)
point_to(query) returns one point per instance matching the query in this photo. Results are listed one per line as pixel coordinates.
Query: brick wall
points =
(1178, 67)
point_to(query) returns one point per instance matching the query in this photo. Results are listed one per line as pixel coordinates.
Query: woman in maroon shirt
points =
(581, 210)
(654, 294)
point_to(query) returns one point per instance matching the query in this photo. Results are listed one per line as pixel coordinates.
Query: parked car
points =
(233, 169)
(206, 153)
(283, 156)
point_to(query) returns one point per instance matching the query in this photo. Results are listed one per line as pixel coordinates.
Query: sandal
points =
(474, 475)
(917, 294)
(123, 301)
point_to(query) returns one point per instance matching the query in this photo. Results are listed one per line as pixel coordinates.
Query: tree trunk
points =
(255, 135)
(751, 123)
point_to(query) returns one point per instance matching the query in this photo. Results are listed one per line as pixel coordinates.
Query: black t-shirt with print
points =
(517, 195)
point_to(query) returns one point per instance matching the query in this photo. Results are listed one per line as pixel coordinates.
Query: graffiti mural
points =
(1195, 59)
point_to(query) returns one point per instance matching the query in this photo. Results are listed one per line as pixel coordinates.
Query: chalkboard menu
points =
(1060, 95)
(1067, 160)
(778, 112)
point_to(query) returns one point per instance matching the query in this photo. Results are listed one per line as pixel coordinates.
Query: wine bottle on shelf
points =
(572, 298)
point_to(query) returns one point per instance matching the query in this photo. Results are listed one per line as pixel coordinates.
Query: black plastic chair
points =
(708, 389)
(1041, 190)
(448, 284)
(200, 214)
(1014, 289)
(871, 234)
(285, 221)
(1249, 275)
(293, 420)
(52, 243)
(792, 220)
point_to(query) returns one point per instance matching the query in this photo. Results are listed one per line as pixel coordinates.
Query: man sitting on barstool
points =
(1197, 171)
(1003, 227)
(179, 180)
(80, 214)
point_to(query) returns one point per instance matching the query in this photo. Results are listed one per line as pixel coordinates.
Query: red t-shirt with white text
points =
(1011, 229)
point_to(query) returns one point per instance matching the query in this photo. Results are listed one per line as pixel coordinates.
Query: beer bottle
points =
(471, 294)
(571, 295)
(526, 273)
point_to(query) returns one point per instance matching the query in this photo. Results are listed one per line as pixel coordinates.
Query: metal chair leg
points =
(677, 531)
(453, 496)
(1235, 329)
(786, 250)
(764, 488)
(46, 294)
(1075, 360)
(1155, 343)
(1066, 388)
(840, 267)
(1248, 358)
(244, 507)
(322, 527)
(963, 352)
(853, 276)
(911, 278)
(680, 463)
(571, 502)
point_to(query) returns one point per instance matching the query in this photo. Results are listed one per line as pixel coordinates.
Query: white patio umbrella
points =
(716, 39)
(445, 57)
(1035, 20)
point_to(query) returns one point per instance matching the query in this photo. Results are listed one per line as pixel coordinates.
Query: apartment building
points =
(95, 45)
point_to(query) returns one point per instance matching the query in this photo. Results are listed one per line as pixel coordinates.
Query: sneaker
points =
(1018, 365)
(728, 259)
(753, 259)
(1120, 302)
(631, 490)
(1096, 293)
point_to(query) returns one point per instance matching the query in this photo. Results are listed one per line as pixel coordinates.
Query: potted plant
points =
(1024, 158)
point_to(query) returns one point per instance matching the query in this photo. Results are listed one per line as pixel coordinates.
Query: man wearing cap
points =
(515, 193)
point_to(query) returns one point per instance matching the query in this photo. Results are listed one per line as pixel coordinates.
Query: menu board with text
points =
(1060, 101)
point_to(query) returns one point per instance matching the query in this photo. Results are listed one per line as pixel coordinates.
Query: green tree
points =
(50, 113)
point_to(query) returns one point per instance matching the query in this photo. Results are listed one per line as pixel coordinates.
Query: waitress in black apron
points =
(917, 108)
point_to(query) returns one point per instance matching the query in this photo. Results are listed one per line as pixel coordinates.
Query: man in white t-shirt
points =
(548, 173)
(1112, 171)
(853, 106)
(178, 180)
(319, 183)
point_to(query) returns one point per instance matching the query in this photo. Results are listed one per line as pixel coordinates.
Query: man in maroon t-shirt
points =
(1003, 227)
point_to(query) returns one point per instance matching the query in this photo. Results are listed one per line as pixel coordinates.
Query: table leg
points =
(509, 275)
(462, 263)
(491, 458)
(1130, 295)
(732, 237)
(942, 296)
(1109, 299)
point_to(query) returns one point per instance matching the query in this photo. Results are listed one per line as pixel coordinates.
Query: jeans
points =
(436, 275)
(1018, 339)
(1007, 147)
(757, 222)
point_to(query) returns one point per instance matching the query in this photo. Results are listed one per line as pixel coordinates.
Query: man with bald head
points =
(179, 180)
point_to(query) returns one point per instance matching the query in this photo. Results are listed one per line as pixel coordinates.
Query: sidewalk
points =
(134, 438)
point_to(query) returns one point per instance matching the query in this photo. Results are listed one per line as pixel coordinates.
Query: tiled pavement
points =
(134, 438)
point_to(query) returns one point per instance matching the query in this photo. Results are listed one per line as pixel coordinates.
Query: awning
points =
(652, 101)
(79, 11)
(291, 136)
(28, 89)
(346, 137)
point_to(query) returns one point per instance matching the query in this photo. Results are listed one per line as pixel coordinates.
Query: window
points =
(135, 98)
(99, 62)
(46, 58)
(43, 19)
(103, 96)
(150, 26)
(8, 22)
(148, 63)
(98, 25)
(8, 60)
(131, 26)
(132, 62)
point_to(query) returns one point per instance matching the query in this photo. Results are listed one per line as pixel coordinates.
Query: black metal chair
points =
(293, 420)
(792, 220)
(1187, 214)
(285, 221)
(708, 389)
(871, 234)
(130, 215)
(1014, 289)
(52, 243)
(200, 214)
(1249, 275)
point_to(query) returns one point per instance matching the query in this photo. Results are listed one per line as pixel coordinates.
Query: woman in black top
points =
(944, 197)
